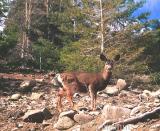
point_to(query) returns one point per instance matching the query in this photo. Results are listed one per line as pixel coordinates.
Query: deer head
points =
(109, 63)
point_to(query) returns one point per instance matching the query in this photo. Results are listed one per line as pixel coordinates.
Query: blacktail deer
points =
(70, 83)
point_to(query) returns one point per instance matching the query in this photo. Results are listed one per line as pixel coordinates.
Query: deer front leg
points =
(70, 98)
(93, 96)
(61, 93)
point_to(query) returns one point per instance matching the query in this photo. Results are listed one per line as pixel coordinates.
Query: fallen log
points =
(107, 122)
(132, 120)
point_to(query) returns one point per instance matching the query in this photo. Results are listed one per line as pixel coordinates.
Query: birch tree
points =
(25, 41)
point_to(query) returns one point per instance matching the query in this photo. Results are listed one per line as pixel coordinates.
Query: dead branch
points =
(107, 122)
(147, 115)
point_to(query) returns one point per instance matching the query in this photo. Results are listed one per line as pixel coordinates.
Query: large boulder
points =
(82, 118)
(15, 97)
(64, 123)
(114, 90)
(156, 94)
(111, 90)
(115, 113)
(37, 115)
(148, 94)
(136, 110)
(121, 84)
(69, 114)
(36, 96)
(27, 85)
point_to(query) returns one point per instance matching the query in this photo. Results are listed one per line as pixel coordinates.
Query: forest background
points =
(66, 35)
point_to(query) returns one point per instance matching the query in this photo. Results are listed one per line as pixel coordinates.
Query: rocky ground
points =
(28, 103)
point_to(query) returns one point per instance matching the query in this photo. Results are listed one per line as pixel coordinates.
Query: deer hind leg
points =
(94, 100)
(93, 96)
(61, 93)
(70, 98)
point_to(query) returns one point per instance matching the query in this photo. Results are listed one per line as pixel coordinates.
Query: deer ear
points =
(117, 57)
(103, 57)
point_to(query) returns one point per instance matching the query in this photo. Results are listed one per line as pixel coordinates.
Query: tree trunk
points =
(27, 23)
(46, 5)
(102, 26)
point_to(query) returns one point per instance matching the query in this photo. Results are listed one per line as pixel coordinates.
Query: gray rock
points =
(19, 125)
(147, 93)
(83, 109)
(130, 106)
(36, 96)
(69, 114)
(115, 113)
(37, 115)
(103, 94)
(111, 90)
(121, 84)
(64, 123)
(156, 93)
(135, 110)
(82, 118)
(35, 88)
(95, 113)
(27, 85)
(33, 129)
(15, 129)
(157, 100)
(123, 93)
(46, 113)
(40, 80)
(15, 97)
(76, 95)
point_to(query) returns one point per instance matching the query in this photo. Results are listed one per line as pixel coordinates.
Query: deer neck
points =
(106, 75)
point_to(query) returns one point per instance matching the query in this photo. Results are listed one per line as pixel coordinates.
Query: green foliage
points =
(8, 40)
(73, 60)
(144, 16)
(155, 78)
(47, 52)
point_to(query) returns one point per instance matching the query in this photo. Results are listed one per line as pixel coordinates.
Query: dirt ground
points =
(11, 112)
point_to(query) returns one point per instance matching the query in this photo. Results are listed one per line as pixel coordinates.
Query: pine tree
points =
(103, 29)
(70, 35)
